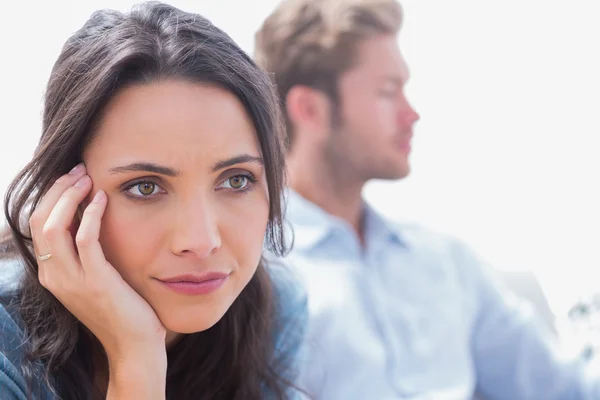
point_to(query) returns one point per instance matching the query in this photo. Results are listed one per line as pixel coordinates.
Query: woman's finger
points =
(46, 205)
(56, 231)
(88, 235)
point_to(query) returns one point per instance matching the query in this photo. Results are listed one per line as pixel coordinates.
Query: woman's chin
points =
(189, 324)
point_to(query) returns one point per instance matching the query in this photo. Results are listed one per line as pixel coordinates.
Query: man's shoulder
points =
(418, 236)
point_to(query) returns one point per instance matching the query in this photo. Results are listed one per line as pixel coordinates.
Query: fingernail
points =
(77, 169)
(81, 182)
(98, 197)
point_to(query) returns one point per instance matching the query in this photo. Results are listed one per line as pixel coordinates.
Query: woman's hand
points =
(78, 274)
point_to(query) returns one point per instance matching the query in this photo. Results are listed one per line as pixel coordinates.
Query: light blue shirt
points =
(416, 315)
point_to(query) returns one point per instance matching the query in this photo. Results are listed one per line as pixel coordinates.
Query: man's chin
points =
(392, 174)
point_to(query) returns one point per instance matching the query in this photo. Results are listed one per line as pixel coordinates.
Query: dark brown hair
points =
(312, 42)
(235, 359)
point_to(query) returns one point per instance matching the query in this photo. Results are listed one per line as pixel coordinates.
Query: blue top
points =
(415, 314)
(291, 314)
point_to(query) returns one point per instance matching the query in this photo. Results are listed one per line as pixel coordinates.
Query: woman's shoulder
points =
(11, 272)
(11, 334)
(291, 309)
(289, 291)
(12, 384)
(291, 318)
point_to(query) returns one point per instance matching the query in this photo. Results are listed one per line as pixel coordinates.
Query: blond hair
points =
(312, 42)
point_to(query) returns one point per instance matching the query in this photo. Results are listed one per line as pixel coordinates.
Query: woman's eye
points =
(144, 189)
(236, 182)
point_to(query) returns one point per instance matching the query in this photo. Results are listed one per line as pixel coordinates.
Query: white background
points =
(505, 155)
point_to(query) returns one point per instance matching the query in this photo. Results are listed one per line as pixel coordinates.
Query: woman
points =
(157, 179)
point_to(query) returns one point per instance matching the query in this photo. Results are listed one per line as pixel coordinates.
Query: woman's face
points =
(187, 195)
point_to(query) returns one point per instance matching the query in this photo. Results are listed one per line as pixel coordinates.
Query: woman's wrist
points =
(138, 375)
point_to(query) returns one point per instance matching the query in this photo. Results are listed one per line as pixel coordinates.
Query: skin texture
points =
(367, 135)
(204, 219)
(376, 118)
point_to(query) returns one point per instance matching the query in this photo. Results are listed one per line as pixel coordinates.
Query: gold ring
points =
(45, 257)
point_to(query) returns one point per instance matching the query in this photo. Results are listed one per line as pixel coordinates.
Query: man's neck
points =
(330, 191)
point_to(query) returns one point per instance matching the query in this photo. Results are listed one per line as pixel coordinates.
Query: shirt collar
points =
(311, 224)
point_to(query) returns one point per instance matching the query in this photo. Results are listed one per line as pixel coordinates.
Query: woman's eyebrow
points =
(244, 158)
(145, 166)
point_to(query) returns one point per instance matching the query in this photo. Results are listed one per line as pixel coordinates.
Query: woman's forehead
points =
(178, 120)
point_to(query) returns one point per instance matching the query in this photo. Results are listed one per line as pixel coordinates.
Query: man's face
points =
(373, 136)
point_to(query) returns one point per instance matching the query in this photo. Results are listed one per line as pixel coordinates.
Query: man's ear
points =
(309, 110)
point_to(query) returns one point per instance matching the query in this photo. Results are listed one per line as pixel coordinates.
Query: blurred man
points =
(396, 311)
